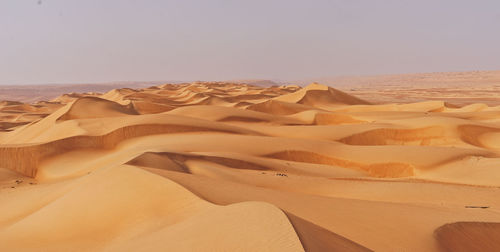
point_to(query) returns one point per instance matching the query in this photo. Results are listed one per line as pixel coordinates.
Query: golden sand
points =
(235, 167)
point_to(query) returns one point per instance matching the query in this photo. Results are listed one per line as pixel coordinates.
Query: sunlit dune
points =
(219, 166)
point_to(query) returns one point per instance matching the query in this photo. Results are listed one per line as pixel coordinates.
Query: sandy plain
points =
(234, 167)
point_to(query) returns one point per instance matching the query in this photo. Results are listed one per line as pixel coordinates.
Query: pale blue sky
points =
(65, 41)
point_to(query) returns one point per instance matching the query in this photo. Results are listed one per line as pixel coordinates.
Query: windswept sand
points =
(234, 167)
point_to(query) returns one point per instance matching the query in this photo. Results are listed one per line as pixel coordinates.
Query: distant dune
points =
(224, 166)
(454, 87)
(257, 82)
(45, 92)
(422, 80)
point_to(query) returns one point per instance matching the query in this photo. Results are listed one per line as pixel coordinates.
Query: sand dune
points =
(455, 88)
(93, 107)
(218, 166)
(469, 236)
(316, 95)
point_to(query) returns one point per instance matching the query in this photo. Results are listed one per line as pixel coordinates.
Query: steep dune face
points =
(93, 107)
(316, 94)
(469, 236)
(421, 136)
(177, 167)
(118, 95)
(279, 107)
(151, 107)
(474, 134)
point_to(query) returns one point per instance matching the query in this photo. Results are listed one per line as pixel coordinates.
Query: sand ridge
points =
(229, 166)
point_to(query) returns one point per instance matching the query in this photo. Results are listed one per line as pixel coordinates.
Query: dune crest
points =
(316, 93)
(93, 107)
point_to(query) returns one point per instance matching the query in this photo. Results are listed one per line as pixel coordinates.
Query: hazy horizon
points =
(55, 41)
(302, 82)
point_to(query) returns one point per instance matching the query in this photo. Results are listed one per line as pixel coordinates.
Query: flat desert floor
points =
(234, 167)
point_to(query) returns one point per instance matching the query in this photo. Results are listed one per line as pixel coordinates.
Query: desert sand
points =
(460, 88)
(214, 166)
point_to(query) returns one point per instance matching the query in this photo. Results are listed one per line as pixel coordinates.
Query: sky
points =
(81, 41)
